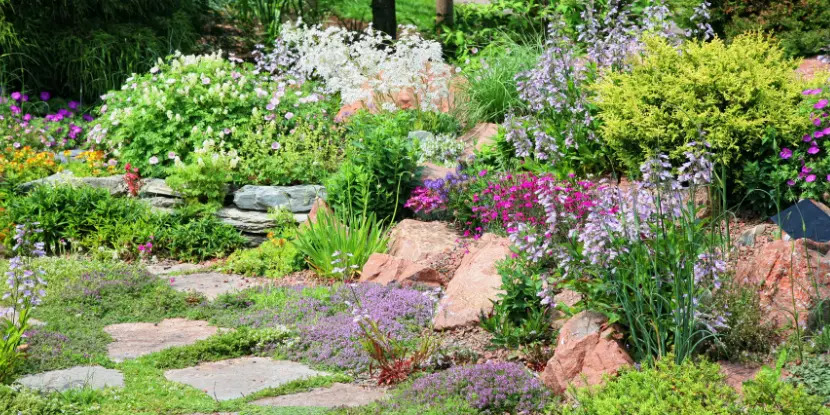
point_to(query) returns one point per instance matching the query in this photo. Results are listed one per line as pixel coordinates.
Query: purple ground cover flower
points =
(328, 332)
(493, 388)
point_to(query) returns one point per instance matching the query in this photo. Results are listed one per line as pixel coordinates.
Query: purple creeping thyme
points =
(328, 331)
(493, 388)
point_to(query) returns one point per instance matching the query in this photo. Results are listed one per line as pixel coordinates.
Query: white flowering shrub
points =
(363, 66)
(186, 100)
(439, 149)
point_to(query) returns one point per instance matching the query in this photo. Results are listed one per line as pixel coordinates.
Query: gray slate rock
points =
(114, 184)
(297, 199)
(235, 378)
(251, 221)
(95, 377)
(157, 187)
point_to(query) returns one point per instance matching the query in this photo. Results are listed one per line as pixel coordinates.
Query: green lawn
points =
(420, 13)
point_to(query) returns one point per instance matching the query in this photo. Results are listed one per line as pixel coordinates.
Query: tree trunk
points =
(383, 17)
(444, 13)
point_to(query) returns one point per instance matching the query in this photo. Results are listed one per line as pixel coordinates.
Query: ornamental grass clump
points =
(491, 388)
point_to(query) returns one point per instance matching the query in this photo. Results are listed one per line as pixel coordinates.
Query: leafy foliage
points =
(814, 375)
(729, 95)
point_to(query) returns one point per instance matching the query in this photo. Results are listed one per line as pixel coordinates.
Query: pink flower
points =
(791, 182)
(811, 178)
(813, 150)
(786, 153)
(171, 155)
(482, 173)
(154, 160)
(820, 104)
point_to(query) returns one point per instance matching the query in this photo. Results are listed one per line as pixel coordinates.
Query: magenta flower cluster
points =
(492, 388)
(62, 128)
(809, 158)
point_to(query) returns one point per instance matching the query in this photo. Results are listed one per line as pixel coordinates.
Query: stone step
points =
(236, 378)
(336, 395)
(94, 377)
(138, 339)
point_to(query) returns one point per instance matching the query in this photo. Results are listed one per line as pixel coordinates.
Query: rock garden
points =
(355, 207)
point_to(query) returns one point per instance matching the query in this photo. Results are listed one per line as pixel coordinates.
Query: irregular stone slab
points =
(212, 284)
(475, 285)
(251, 221)
(138, 339)
(95, 377)
(157, 187)
(421, 241)
(170, 269)
(337, 395)
(297, 199)
(586, 351)
(114, 184)
(385, 269)
(738, 373)
(235, 378)
(161, 202)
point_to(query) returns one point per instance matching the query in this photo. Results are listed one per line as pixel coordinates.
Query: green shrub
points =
(519, 318)
(814, 375)
(379, 172)
(15, 400)
(168, 112)
(85, 218)
(728, 95)
(801, 26)
(205, 179)
(767, 394)
(275, 258)
(196, 238)
(666, 388)
(746, 335)
(308, 153)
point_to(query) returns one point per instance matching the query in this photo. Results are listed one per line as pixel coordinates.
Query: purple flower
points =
(813, 150)
(810, 178)
(817, 121)
(791, 182)
(807, 138)
(820, 104)
(16, 96)
(45, 96)
(73, 105)
(275, 146)
(812, 92)
(24, 98)
(786, 153)
(482, 173)
(15, 109)
(88, 118)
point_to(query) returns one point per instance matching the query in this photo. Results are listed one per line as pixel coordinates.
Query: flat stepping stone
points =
(212, 284)
(94, 377)
(235, 378)
(337, 395)
(137, 339)
(170, 269)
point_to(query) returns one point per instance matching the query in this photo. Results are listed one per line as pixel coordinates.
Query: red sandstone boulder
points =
(586, 351)
(788, 272)
(421, 242)
(479, 136)
(385, 269)
(475, 284)
(318, 205)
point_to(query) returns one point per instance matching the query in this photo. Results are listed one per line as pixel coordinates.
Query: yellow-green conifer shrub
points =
(734, 94)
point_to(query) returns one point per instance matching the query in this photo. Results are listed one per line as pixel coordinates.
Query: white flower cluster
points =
(362, 65)
(215, 154)
(441, 149)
